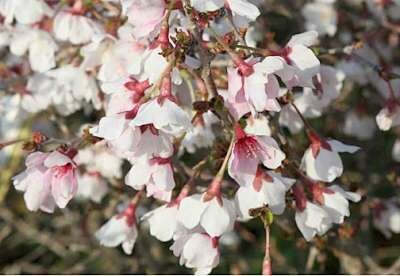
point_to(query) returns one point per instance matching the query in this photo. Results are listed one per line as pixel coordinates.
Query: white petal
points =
(190, 210)
(215, 219)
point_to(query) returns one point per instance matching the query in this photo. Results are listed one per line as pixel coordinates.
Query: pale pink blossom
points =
(335, 201)
(201, 135)
(145, 16)
(49, 180)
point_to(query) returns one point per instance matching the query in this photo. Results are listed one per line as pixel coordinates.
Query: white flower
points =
(301, 64)
(207, 6)
(173, 121)
(163, 221)
(322, 162)
(336, 202)
(73, 87)
(215, 215)
(198, 251)
(24, 11)
(268, 189)
(321, 16)
(38, 43)
(120, 229)
(78, 29)
(122, 59)
(96, 52)
(258, 125)
(100, 159)
(91, 186)
(388, 117)
(156, 174)
(313, 220)
(201, 135)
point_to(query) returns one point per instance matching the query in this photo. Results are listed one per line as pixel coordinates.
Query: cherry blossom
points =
(38, 43)
(24, 11)
(49, 180)
(121, 229)
(261, 79)
(321, 16)
(248, 152)
(73, 26)
(198, 251)
(268, 189)
(201, 209)
(321, 160)
(156, 174)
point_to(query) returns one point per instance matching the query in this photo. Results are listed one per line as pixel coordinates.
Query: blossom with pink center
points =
(321, 160)
(155, 173)
(259, 87)
(49, 180)
(120, 229)
(268, 189)
(248, 152)
(198, 251)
